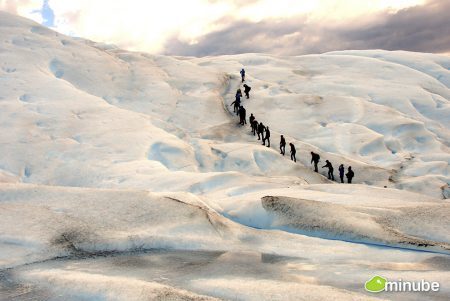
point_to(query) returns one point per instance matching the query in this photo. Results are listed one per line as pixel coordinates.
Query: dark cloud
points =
(424, 28)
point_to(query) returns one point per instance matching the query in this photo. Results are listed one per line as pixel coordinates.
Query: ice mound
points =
(418, 227)
(58, 222)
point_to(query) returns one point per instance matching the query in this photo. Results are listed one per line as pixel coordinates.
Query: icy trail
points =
(366, 173)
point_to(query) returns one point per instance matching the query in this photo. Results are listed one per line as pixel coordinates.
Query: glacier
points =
(125, 176)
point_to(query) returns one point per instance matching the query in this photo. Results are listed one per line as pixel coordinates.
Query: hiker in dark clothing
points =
(315, 158)
(293, 151)
(237, 101)
(238, 94)
(341, 172)
(247, 90)
(350, 174)
(282, 145)
(242, 72)
(251, 118)
(261, 129)
(255, 127)
(267, 137)
(330, 170)
(242, 113)
(237, 104)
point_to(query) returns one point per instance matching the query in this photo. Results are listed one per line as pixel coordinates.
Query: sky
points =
(213, 27)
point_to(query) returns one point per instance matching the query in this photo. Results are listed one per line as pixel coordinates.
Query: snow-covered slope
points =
(108, 156)
(357, 109)
(78, 113)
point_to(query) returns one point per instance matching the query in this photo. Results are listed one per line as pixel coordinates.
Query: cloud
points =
(424, 28)
(209, 27)
(136, 24)
(22, 7)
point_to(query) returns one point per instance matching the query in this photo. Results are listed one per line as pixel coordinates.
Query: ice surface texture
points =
(123, 176)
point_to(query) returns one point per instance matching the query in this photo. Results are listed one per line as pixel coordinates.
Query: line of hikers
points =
(315, 158)
(263, 133)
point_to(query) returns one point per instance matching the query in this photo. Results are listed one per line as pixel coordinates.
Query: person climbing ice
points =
(267, 137)
(242, 113)
(330, 170)
(247, 91)
(282, 145)
(315, 158)
(237, 102)
(250, 119)
(261, 129)
(350, 174)
(341, 172)
(242, 72)
(293, 151)
(255, 127)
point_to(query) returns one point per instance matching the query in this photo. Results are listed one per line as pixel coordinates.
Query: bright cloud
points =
(142, 25)
(148, 25)
(24, 8)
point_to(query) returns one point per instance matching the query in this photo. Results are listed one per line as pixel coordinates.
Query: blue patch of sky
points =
(48, 17)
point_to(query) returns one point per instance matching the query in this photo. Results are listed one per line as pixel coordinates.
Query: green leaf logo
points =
(376, 284)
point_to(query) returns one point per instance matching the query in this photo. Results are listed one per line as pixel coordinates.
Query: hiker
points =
(238, 94)
(350, 174)
(282, 145)
(315, 158)
(242, 72)
(247, 90)
(267, 137)
(261, 129)
(293, 151)
(250, 119)
(341, 172)
(330, 170)
(255, 127)
(237, 103)
(238, 99)
(242, 113)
